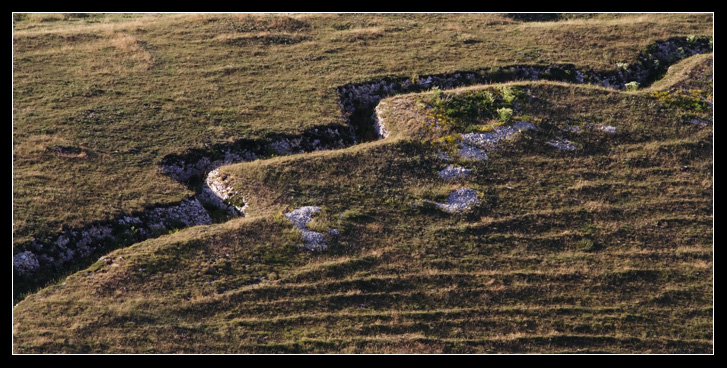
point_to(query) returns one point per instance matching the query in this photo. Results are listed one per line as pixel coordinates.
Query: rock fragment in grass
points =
(454, 172)
(442, 155)
(608, 129)
(562, 144)
(460, 200)
(472, 152)
(475, 145)
(699, 122)
(300, 217)
(524, 125)
(490, 139)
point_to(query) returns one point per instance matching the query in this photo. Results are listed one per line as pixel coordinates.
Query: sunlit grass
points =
(605, 249)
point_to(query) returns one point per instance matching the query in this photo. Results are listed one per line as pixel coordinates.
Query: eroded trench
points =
(49, 258)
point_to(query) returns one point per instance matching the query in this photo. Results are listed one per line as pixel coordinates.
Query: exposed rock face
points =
(74, 245)
(475, 145)
(198, 162)
(217, 192)
(183, 171)
(360, 99)
(312, 240)
(460, 200)
(25, 262)
(189, 212)
(379, 125)
(562, 144)
(452, 172)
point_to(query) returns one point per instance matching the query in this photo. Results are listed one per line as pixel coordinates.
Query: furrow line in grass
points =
(616, 289)
(472, 318)
(552, 343)
(483, 327)
(563, 218)
(430, 277)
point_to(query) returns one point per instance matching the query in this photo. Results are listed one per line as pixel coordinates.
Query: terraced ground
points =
(607, 247)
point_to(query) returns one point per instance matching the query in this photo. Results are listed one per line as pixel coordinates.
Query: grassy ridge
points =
(123, 91)
(607, 248)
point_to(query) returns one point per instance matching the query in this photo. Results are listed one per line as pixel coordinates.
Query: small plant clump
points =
(692, 100)
(467, 112)
(505, 114)
(632, 86)
(510, 94)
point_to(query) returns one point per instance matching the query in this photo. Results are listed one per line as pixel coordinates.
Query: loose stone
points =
(460, 200)
(454, 172)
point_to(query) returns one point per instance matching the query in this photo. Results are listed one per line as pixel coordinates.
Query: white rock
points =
(490, 139)
(312, 240)
(608, 129)
(454, 172)
(471, 152)
(562, 144)
(301, 216)
(379, 125)
(460, 200)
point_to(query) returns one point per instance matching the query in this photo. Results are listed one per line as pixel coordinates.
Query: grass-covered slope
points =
(100, 99)
(603, 248)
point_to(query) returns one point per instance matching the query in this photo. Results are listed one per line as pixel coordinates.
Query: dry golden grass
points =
(607, 249)
(158, 81)
(682, 72)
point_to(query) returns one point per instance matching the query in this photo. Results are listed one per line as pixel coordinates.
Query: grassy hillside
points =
(124, 91)
(606, 249)
(603, 248)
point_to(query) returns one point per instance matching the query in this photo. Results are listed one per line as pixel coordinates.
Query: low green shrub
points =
(632, 86)
(693, 100)
(505, 114)
(467, 111)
